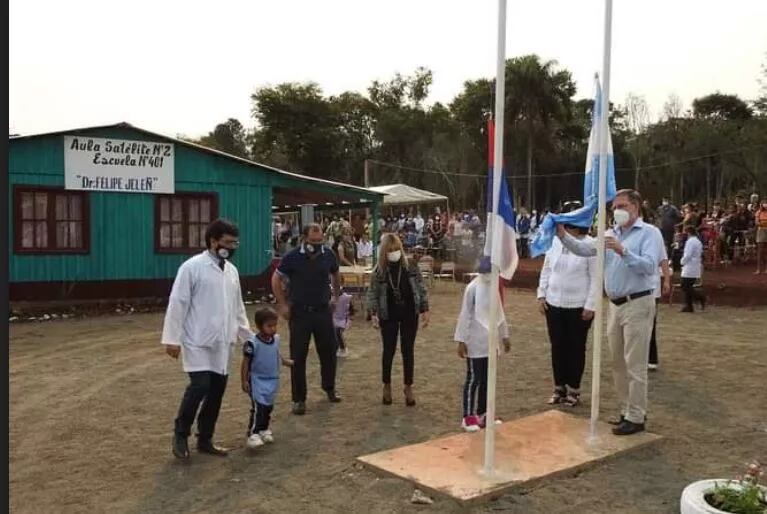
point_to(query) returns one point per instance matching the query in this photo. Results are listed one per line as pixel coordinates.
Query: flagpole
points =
(492, 355)
(602, 138)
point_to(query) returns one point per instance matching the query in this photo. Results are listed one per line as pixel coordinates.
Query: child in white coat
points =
(472, 335)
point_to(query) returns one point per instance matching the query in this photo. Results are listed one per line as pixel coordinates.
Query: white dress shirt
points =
(472, 326)
(568, 281)
(205, 314)
(659, 278)
(364, 250)
(691, 258)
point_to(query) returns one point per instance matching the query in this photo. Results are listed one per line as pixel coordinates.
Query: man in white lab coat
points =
(205, 317)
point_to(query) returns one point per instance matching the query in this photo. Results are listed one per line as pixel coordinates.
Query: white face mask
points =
(621, 216)
(394, 256)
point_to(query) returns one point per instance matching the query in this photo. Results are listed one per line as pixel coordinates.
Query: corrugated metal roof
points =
(125, 125)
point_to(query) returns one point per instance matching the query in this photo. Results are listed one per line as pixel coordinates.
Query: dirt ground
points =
(92, 403)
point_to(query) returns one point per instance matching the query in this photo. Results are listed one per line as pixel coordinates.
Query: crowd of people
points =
(726, 230)
(206, 314)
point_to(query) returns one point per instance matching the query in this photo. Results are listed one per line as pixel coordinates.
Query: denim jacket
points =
(376, 296)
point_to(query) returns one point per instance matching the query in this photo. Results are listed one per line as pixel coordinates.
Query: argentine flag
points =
(583, 217)
(501, 233)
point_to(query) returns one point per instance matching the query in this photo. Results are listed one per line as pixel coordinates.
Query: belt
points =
(623, 299)
(311, 308)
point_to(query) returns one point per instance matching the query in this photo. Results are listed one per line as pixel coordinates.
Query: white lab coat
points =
(692, 257)
(205, 314)
(472, 326)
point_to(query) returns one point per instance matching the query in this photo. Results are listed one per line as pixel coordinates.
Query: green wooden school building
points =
(112, 211)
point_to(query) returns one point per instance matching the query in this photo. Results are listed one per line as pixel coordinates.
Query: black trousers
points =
(204, 387)
(260, 415)
(568, 333)
(406, 328)
(653, 341)
(340, 338)
(303, 325)
(690, 294)
(475, 387)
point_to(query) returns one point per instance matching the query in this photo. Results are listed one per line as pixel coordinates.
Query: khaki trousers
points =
(629, 327)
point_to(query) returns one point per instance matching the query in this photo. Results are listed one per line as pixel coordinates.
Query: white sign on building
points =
(124, 166)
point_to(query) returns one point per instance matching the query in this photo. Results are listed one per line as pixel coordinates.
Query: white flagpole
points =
(492, 360)
(602, 138)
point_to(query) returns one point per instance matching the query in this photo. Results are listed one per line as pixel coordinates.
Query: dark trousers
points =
(475, 387)
(204, 387)
(304, 325)
(407, 329)
(690, 294)
(567, 333)
(340, 338)
(260, 415)
(653, 341)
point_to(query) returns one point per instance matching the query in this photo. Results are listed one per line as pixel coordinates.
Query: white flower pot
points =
(693, 497)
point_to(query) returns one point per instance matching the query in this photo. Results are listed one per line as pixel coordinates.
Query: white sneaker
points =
(470, 424)
(652, 367)
(341, 352)
(254, 441)
(266, 436)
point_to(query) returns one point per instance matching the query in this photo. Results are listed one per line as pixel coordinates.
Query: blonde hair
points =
(389, 243)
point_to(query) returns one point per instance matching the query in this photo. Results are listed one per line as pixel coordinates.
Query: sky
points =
(181, 67)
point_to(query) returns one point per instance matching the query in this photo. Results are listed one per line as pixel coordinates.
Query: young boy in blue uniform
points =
(260, 374)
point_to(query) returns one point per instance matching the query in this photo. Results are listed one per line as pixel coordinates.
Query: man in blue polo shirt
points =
(633, 250)
(307, 273)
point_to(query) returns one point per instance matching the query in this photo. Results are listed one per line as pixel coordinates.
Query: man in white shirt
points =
(692, 268)
(364, 249)
(419, 223)
(567, 293)
(205, 317)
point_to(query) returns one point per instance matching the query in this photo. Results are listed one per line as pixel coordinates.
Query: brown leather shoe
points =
(386, 394)
(207, 446)
(409, 397)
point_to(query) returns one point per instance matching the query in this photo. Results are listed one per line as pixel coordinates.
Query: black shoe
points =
(703, 303)
(617, 421)
(687, 309)
(299, 408)
(333, 397)
(207, 446)
(628, 428)
(621, 419)
(180, 447)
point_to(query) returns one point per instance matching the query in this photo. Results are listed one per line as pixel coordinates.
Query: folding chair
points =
(426, 266)
(447, 270)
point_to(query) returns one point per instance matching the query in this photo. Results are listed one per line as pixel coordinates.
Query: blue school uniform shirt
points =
(264, 368)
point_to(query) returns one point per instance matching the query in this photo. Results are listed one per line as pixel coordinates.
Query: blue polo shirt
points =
(309, 278)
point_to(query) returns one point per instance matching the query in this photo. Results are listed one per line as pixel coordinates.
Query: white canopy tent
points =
(402, 194)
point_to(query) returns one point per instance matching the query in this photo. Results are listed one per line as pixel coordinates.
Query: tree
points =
(673, 108)
(297, 129)
(230, 137)
(538, 96)
(721, 107)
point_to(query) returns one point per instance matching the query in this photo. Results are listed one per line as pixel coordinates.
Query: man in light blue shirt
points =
(632, 255)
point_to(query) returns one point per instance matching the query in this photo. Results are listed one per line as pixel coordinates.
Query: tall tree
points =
(721, 107)
(230, 137)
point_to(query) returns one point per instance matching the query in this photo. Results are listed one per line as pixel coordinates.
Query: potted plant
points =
(745, 495)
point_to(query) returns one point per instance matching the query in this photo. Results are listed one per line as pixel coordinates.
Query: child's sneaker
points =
(470, 424)
(266, 436)
(254, 441)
